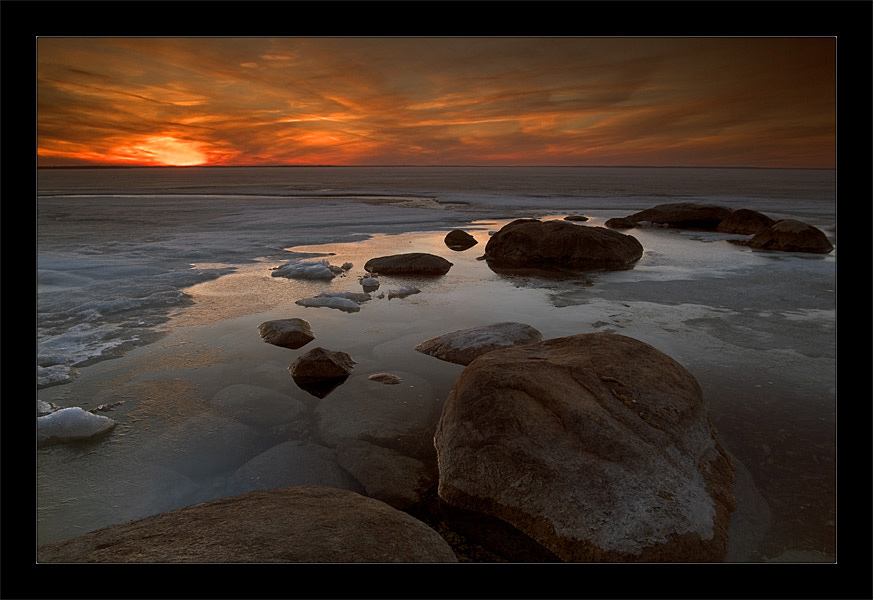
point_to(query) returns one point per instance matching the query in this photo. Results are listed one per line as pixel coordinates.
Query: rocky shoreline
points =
(530, 427)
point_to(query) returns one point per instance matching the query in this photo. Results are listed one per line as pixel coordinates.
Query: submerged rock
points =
(257, 406)
(575, 218)
(289, 464)
(745, 222)
(461, 347)
(459, 239)
(789, 235)
(71, 425)
(414, 263)
(386, 378)
(290, 524)
(403, 292)
(597, 446)
(287, 333)
(533, 243)
(385, 474)
(683, 215)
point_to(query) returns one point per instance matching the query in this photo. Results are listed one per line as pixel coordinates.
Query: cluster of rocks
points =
(591, 447)
(785, 235)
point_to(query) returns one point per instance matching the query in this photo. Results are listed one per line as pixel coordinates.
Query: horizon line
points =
(473, 166)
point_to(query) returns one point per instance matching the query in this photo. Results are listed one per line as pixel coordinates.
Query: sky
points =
(730, 102)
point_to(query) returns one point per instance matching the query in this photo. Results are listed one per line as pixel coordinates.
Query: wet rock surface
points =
(595, 420)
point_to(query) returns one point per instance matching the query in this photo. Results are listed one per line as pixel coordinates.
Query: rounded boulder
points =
(597, 446)
(533, 243)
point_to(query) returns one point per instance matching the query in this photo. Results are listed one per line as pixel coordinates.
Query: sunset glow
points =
(762, 102)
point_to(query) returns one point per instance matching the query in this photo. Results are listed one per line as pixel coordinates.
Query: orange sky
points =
(757, 102)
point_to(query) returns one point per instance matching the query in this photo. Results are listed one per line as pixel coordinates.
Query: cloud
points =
(443, 100)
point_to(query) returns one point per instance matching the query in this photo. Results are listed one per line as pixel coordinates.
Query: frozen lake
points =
(152, 283)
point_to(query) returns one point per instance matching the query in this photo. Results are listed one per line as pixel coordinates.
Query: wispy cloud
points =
(721, 101)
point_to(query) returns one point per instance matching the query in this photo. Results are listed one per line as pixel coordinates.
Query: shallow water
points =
(756, 329)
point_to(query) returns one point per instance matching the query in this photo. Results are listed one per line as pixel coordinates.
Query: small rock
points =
(386, 378)
(297, 269)
(403, 292)
(370, 284)
(320, 371)
(287, 333)
(458, 240)
(575, 218)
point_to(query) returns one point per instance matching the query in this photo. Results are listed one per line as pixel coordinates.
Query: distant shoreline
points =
(426, 167)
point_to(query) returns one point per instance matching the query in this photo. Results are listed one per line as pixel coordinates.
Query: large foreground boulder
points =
(546, 244)
(461, 347)
(745, 222)
(413, 263)
(292, 524)
(597, 446)
(683, 215)
(789, 235)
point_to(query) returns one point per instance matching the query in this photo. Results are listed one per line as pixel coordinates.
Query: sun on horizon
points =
(731, 102)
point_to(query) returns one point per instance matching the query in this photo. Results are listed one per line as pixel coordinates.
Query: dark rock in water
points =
(683, 215)
(620, 223)
(597, 446)
(459, 240)
(320, 371)
(284, 525)
(575, 218)
(745, 222)
(461, 347)
(533, 243)
(414, 263)
(789, 235)
(288, 333)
